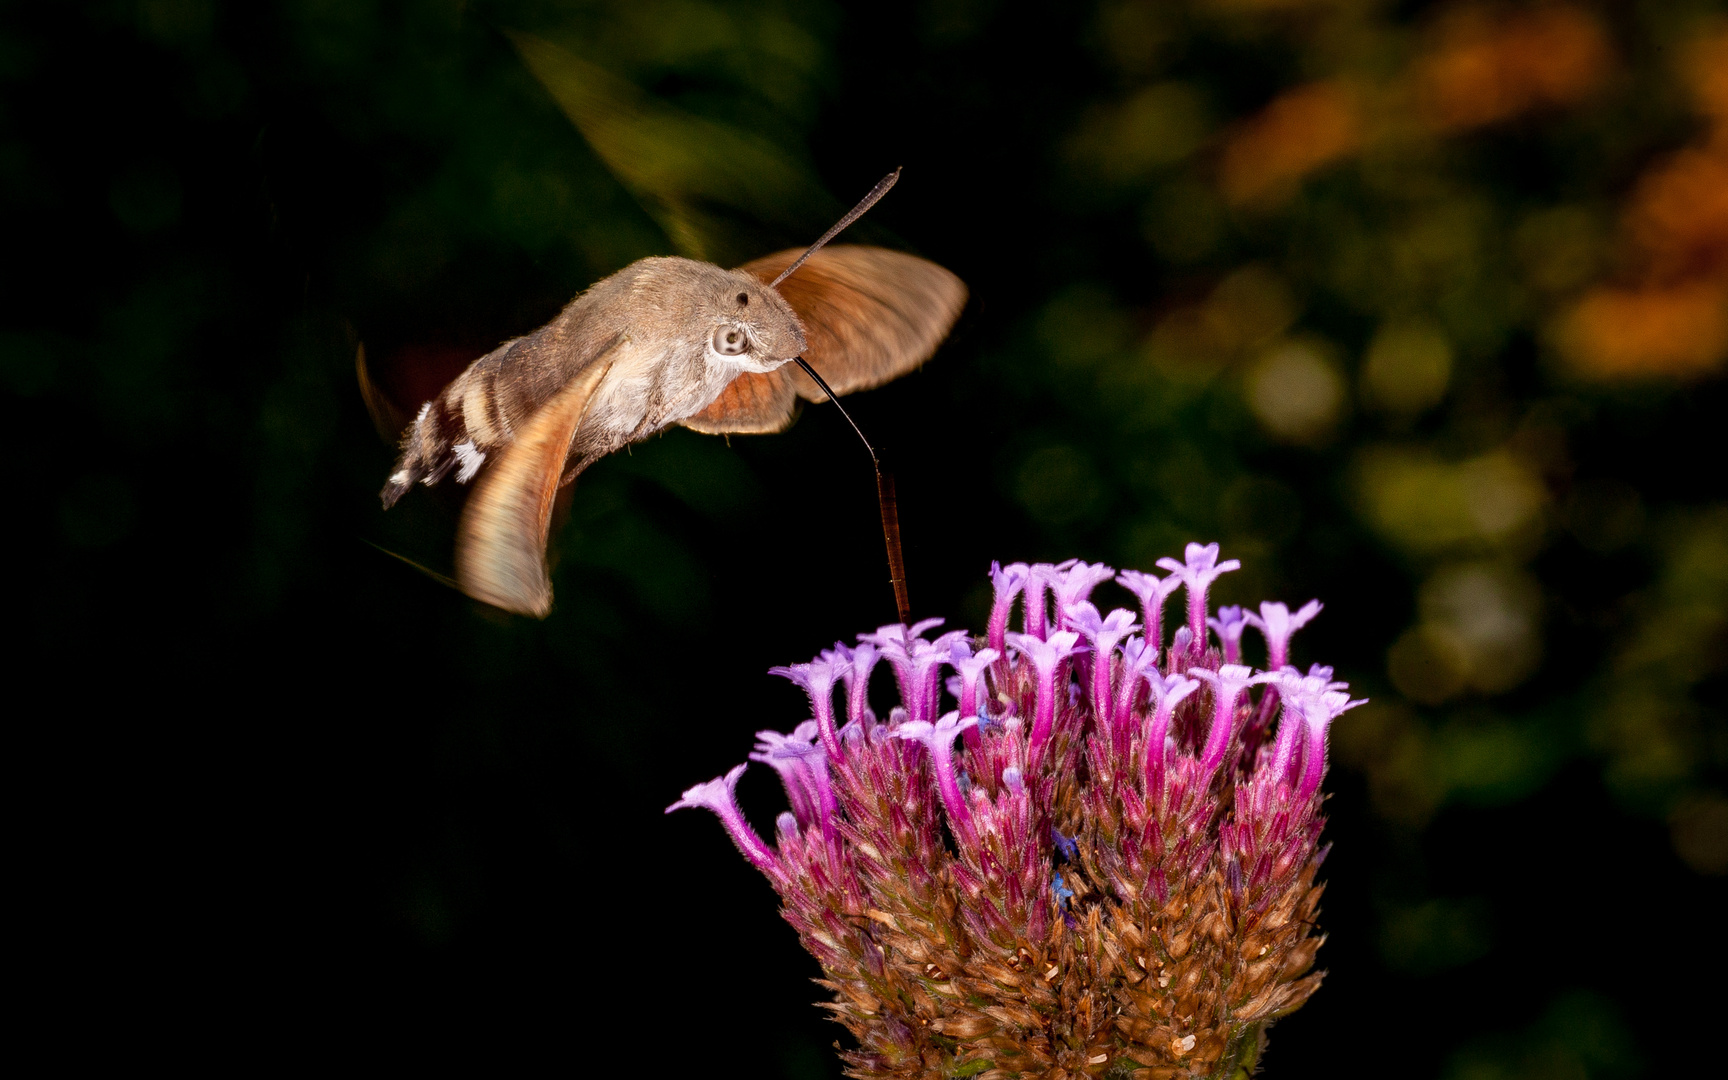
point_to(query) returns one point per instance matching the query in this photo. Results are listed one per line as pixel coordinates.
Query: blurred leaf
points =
(695, 176)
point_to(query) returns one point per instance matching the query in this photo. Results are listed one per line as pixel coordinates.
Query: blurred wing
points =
(870, 315)
(501, 539)
(386, 417)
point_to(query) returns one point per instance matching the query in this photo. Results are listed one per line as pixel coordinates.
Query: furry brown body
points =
(663, 368)
(663, 341)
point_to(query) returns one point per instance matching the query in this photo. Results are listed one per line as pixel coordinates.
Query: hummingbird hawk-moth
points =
(663, 341)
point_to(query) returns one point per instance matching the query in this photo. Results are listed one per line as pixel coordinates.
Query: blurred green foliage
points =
(1420, 308)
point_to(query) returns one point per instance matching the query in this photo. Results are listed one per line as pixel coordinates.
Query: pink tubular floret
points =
(718, 795)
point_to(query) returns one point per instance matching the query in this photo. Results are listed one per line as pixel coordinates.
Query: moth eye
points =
(730, 341)
(744, 298)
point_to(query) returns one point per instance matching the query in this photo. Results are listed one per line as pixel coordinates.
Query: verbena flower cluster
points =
(1101, 861)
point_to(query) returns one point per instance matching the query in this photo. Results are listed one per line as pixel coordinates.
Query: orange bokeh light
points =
(1303, 130)
(1673, 317)
(1707, 75)
(1677, 218)
(1486, 68)
(1677, 330)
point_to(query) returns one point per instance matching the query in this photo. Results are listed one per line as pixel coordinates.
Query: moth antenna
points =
(852, 215)
(885, 496)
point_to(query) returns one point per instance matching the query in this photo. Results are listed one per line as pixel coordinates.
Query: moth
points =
(663, 341)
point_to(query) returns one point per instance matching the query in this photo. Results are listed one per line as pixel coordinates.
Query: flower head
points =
(1131, 859)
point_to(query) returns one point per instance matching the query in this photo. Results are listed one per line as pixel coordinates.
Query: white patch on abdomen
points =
(468, 460)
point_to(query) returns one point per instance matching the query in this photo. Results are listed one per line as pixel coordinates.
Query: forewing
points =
(501, 539)
(870, 315)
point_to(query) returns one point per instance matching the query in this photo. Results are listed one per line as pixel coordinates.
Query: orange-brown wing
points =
(501, 539)
(752, 404)
(870, 315)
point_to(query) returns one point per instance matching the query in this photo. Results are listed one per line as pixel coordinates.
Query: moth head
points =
(750, 326)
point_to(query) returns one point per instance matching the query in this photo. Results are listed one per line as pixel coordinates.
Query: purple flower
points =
(854, 667)
(1152, 591)
(1045, 657)
(938, 738)
(1228, 682)
(925, 666)
(718, 795)
(1103, 634)
(1008, 583)
(1039, 576)
(900, 633)
(1182, 644)
(817, 679)
(914, 661)
(1073, 585)
(1314, 702)
(1168, 691)
(1198, 571)
(1276, 624)
(1229, 624)
(971, 666)
(1138, 660)
(803, 770)
(785, 755)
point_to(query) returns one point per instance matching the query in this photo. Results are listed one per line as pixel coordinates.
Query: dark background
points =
(276, 789)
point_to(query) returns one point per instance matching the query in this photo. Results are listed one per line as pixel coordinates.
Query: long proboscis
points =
(885, 497)
(852, 215)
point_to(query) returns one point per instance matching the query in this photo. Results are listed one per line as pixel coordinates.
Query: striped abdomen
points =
(472, 418)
